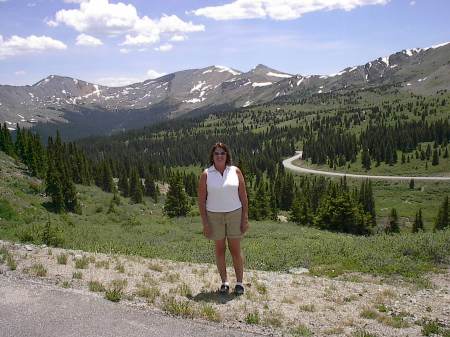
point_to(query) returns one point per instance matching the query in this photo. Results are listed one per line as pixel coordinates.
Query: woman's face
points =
(220, 156)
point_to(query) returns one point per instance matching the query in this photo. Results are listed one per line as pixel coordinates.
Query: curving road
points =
(287, 163)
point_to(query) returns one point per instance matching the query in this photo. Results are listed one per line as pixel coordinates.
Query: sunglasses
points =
(220, 153)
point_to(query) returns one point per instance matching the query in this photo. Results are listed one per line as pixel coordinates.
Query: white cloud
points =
(115, 19)
(154, 74)
(120, 81)
(164, 47)
(124, 50)
(74, 1)
(412, 3)
(178, 38)
(140, 39)
(117, 81)
(20, 72)
(17, 45)
(88, 40)
(278, 9)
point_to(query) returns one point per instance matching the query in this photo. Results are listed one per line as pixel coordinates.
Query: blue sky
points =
(118, 42)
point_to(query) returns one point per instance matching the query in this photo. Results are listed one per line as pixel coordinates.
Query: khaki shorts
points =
(225, 224)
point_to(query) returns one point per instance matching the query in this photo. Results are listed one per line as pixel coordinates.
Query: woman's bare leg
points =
(220, 259)
(234, 245)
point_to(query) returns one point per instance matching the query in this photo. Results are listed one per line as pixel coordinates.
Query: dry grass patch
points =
(102, 264)
(273, 318)
(208, 312)
(78, 275)
(183, 308)
(307, 307)
(61, 258)
(300, 330)
(149, 293)
(337, 330)
(96, 286)
(369, 313)
(155, 267)
(170, 277)
(82, 263)
(38, 269)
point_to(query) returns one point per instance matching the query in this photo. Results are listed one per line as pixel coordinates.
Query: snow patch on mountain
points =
(440, 45)
(261, 84)
(278, 75)
(221, 69)
(198, 86)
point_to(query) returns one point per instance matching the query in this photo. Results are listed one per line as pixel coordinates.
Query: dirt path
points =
(287, 163)
(274, 303)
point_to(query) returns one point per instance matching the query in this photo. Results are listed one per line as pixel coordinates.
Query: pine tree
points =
(177, 201)
(411, 184)
(365, 159)
(367, 200)
(108, 184)
(136, 189)
(299, 212)
(54, 188)
(442, 219)
(124, 184)
(435, 160)
(262, 202)
(392, 225)
(418, 222)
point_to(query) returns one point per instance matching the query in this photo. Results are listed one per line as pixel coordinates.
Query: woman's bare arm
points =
(202, 194)
(244, 200)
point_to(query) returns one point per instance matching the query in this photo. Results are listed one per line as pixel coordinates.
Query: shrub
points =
(6, 211)
(52, 235)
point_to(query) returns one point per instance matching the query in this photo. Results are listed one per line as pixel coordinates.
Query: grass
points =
(183, 308)
(208, 312)
(369, 313)
(252, 318)
(77, 275)
(38, 269)
(96, 286)
(267, 246)
(149, 293)
(82, 263)
(363, 333)
(301, 330)
(307, 307)
(114, 292)
(61, 258)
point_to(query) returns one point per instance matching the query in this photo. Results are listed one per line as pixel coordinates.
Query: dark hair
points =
(222, 146)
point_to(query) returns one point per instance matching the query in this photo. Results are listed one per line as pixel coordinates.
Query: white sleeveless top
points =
(223, 195)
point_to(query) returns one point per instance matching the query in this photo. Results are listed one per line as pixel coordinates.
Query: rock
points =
(28, 248)
(78, 256)
(298, 271)
(282, 218)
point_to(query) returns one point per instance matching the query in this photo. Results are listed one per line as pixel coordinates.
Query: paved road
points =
(31, 309)
(287, 163)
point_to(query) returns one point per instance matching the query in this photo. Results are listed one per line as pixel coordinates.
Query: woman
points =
(223, 204)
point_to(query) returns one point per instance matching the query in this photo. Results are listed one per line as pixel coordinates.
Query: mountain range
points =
(82, 108)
